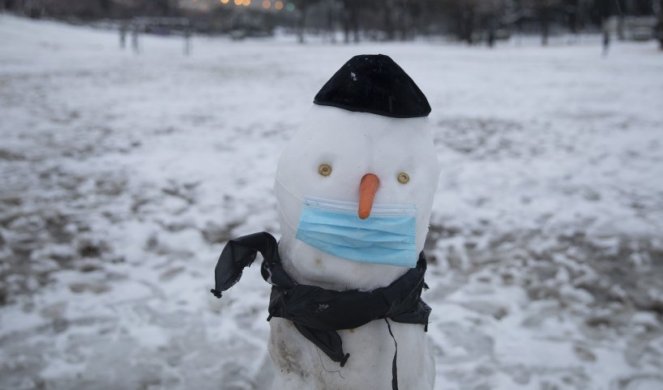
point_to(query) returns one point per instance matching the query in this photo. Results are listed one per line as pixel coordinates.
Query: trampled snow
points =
(123, 175)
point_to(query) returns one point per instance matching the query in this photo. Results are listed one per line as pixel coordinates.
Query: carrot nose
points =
(367, 189)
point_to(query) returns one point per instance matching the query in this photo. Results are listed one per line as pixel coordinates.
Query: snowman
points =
(355, 190)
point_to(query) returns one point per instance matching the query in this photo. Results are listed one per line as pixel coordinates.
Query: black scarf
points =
(318, 313)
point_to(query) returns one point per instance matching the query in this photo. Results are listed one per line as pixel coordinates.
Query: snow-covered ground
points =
(122, 175)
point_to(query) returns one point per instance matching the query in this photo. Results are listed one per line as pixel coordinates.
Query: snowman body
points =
(351, 145)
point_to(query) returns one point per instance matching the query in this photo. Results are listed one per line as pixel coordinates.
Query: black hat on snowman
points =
(374, 84)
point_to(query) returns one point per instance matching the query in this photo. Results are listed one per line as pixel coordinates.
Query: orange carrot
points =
(367, 189)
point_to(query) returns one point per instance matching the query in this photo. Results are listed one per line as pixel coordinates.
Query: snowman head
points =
(357, 181)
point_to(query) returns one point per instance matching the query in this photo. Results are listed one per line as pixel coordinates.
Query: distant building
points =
(255, 5)
(633, 28)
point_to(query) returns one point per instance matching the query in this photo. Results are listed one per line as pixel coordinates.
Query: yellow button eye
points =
(325, 169)
(403, 178)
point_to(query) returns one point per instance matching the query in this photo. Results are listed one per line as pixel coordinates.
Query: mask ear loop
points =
(286, 221)
(284, 188)
(294, 198)
(394, 367)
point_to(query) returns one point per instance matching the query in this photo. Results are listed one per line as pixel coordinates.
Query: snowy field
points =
(122, 175)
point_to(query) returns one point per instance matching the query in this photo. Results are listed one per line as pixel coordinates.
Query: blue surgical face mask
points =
(387, 236)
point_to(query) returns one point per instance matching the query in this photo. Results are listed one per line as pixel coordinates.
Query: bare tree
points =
(389, 13)
(473, 20)
(577, 12)
(397, 18)
(544, 10)
(490, 14)
(463, 14)
(303, 7)
(330, 20)
(350, 17)
(660, 24)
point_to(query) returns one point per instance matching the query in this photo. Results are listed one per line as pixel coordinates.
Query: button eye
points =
(403, 178)
(325, 169)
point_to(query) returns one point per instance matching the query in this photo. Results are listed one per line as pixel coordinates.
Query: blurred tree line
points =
(470, 21)
(92, 9)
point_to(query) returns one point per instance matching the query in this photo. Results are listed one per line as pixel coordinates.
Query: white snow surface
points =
(123, 175)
